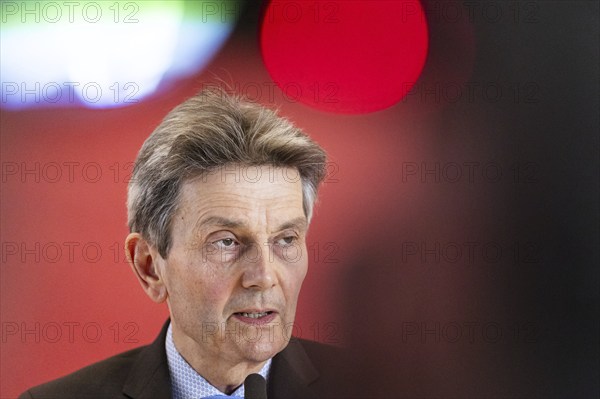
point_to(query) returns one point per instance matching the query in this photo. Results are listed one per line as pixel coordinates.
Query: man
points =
(219, 205)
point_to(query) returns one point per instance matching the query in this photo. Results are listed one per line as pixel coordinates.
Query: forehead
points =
(235, 188)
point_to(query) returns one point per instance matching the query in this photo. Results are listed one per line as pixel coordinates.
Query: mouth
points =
(255, 317)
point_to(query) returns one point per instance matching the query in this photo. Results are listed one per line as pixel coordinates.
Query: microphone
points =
(255, 387)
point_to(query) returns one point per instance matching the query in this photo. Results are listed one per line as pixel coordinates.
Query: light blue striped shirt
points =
(187, 383)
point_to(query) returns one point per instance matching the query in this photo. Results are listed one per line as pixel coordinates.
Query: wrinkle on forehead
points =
(262, 206)
(273, 182)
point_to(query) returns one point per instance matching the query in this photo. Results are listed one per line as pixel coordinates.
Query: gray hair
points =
(206, 132)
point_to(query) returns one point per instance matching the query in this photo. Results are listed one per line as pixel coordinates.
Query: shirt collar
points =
(187, 383)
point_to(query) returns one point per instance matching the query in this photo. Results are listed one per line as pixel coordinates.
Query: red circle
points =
(344, 56)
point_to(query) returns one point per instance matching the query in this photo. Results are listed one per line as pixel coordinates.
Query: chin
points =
(262, 350)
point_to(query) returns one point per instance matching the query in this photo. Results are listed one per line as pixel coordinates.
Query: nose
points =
(259, 268)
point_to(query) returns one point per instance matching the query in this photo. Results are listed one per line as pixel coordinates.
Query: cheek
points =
(294, 278)
(197, 285)
(302, 268)
(216, 292)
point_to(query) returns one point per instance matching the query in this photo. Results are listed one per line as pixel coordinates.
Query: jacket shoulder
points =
(322, 355)
(328, 371)
(99, 380)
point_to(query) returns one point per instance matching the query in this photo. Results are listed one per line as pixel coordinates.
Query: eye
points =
(226, 243)
(286, 241)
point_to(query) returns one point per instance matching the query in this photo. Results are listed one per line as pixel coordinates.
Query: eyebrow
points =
(221, 222)
(299, 222)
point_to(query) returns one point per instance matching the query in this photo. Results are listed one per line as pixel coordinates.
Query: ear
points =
(144, 261)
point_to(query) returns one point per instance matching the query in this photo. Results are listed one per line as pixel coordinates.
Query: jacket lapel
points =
(291, 373)
(149, 377)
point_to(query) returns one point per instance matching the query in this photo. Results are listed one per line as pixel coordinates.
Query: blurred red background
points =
(454, 246)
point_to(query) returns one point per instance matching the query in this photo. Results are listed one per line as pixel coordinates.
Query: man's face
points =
(237, 262)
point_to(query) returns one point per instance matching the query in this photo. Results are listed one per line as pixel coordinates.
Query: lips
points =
(255, 316)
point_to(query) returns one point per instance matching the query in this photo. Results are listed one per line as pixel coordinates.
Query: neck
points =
(224, 373)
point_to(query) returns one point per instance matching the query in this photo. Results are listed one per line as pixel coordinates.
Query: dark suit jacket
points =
(304, 369)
